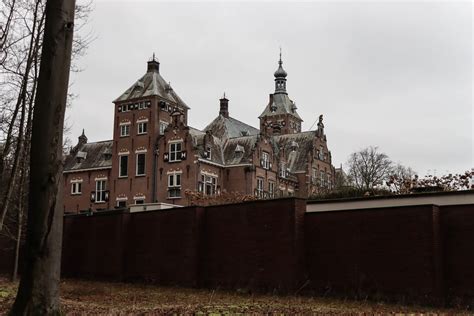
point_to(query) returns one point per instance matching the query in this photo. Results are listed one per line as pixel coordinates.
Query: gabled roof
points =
(228, 127)
(90, 156)
(280, 104)
(151, 84)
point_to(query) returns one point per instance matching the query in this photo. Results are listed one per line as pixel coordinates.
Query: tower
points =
(279, 116)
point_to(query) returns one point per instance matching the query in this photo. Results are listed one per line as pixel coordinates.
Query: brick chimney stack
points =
(224, 107)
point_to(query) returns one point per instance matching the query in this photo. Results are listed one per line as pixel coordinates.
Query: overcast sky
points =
(393, 75)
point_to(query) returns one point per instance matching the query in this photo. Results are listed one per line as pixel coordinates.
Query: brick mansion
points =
(155, 156)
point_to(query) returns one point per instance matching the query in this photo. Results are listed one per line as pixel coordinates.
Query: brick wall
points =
(254, 245)
(458, 233)
(390, 251)
(416, 252)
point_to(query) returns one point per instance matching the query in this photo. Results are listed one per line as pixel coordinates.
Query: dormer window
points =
(265, 160)
(208, 152)
(80, 156)
(175, 151)
(282, 170)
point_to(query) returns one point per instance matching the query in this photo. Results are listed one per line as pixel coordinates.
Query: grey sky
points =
(393, 75)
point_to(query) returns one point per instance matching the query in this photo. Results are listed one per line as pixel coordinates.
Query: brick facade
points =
(155, 156)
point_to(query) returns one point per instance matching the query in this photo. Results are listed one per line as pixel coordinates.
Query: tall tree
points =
(368, 168)
(38, 292)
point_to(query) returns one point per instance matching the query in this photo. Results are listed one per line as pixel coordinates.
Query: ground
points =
(101, 298)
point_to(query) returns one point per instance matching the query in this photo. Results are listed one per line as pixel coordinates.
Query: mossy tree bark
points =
(38, 293)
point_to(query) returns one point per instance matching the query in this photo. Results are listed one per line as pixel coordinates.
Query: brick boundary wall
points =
(416, 253)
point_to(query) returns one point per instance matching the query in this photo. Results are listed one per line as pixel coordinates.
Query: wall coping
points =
(360, 203)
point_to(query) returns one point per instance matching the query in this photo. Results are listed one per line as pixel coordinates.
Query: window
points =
(121, 204)
(141, 105)
(282, 170)
(265, 160)
(142, 126)
(123, 166)
(76, 188)
(140, 201)
(141, 164)
(208, 185)
(271, 189)
(314, 176)
(174, 185)
(329, 181)
(124, 130)
(99, 191)
(321, 153)
(175, 152)
(163, 126)
(260, 187)
(322, 178)
(207, 152)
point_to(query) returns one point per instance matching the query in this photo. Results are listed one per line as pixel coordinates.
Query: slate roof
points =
(151, 84)
(295, 147)
(281, 104)
(238, 150)
(97, 155)
(229, 127)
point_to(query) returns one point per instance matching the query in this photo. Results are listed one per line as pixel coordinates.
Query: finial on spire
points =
(224, 95)
(83, 133)
(153, 56)
(280, 62)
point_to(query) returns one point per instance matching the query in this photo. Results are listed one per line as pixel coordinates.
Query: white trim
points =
(136, 164)
(100, 179)
(223, 166)
(455, 199)
(121, 199)
(122, 153)
(87, 169)
(76, 181)
(145, 120)
(139, 197)
(210, 174)
(125, 123)
(174, 172)
(141, 151)
(175, 141)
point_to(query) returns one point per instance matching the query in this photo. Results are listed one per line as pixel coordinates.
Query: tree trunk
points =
(38, 292)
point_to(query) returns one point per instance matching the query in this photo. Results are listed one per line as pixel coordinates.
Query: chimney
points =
(153, 65)
(224, 107)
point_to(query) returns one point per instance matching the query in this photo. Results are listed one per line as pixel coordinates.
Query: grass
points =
(80, 297)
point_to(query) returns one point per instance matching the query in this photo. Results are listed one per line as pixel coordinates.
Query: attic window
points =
(81, 155)
(244, 133)
(273, 108)
(239, 149)
(207, 152)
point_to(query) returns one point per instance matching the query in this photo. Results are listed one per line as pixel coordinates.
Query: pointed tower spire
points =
(280, 78)
(83, 138)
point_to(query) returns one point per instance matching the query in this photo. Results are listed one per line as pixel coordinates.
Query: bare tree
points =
(368, 168)
(401, 179)
(38, 292)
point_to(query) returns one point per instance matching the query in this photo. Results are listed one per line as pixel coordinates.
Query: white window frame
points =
(163, 126)
(76, 187)
(282, 170)
(271, 188)
(99, 190)
(321, 153)
(265, 160)
(208, 152)
(174, 154)
(144, 164)
(208, 182)
(120, 166)
(174, 185)
(321, 176)
(260, 184)
(142, 127)
(124, 130)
